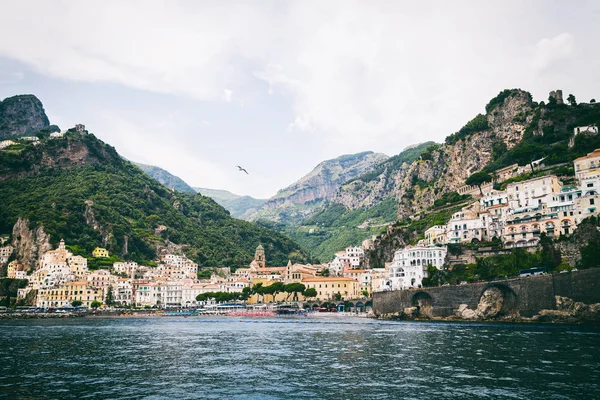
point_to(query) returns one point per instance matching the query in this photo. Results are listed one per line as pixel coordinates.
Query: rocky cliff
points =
(72, 151)
(21, 115)
(300, 199)
(444, 168)
(29, 243)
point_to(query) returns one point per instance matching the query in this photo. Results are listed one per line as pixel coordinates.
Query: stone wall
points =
(532, 293)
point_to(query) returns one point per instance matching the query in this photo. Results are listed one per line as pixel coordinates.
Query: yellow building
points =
(16, 271)
(67, 293)
(99, 252)
(328, 287)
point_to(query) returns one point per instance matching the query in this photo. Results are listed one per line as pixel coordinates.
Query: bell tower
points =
(259, 256)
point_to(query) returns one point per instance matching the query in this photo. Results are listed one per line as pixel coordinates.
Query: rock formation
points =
(301, 198)
(569, 311)
(21, 115)
(417, 185)
(29, 244)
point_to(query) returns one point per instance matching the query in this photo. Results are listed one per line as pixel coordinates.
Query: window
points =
(592, 202)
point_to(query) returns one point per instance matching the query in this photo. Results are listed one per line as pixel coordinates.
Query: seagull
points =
(242, 169)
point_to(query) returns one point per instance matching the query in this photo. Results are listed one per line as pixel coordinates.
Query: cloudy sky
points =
(197, 87)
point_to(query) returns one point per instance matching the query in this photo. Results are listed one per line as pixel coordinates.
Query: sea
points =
(295, 358)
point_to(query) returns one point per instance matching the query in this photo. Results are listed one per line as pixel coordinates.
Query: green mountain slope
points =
(335, 226)
(239, 206)
(78, 188)
(166, 178)
(295, 203)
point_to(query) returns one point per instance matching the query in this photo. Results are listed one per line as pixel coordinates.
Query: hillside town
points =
(517, 216)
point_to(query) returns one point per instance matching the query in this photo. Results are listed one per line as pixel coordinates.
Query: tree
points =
(325, 272)
(478, 179)
(76, 303)
(309, 293)
(204, 274)
(294, 288)
(109, 297)
(527, 153)
(275, 288)
(592, 101)
(435, 277)
(95, 304)
(571, 100)
(365, 293)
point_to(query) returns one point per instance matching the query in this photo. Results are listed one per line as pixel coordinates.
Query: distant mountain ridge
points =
(166, 178)
(302, 198)
(239, 206)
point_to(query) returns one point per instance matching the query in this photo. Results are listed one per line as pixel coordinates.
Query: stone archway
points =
(497, 300)
(423, 302)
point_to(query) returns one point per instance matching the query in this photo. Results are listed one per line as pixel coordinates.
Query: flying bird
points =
(242, 169)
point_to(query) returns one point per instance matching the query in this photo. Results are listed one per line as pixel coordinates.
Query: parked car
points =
(463, 283)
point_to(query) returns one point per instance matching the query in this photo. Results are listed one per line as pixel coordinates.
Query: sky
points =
(198, 87)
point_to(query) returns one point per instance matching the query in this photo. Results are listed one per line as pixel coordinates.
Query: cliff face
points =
(29, 244)
(21, 115)
(74, 150)
(444, 169)
(302, 197)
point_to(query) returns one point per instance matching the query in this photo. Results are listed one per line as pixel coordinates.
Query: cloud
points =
(347, 75)
(548, 51)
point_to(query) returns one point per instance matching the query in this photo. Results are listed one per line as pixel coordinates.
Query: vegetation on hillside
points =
(125, 206)
(558, 121)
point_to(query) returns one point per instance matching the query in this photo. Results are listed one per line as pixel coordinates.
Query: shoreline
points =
(314, 317)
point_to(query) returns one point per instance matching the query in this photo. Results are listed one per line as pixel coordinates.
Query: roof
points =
(357, 271)
(593, 154)
(328, 279)
(498, 206)
(259, 247)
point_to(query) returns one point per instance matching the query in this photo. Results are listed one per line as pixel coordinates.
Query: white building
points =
(123, 293)
(410, 265)
(464, 227)
(5, 143)
(128, 268)
(587, 165)
(5, 253)
(57, 134)
(533, 192)
(30, 138)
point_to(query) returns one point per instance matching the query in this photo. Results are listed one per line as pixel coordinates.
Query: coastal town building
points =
(66, 294)
(100, 252)
(464, 227)
(16, 270)
(333, 287)
(5, 253)
(532, 192)
(436, 235)
(5, 143)
(410, 265)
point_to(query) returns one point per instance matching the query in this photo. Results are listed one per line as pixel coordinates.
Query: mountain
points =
(80, 189)
(335, 226)
(166, 178)
(296, 202)
(239, 206)
(514, 129)
(21, 115)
